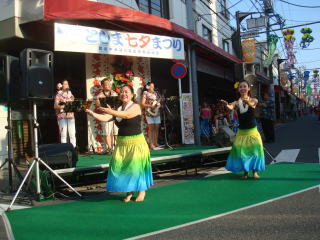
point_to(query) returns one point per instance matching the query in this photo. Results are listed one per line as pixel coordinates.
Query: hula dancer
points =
(130, 166)
(247, 150)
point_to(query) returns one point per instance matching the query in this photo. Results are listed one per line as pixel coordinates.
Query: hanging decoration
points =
(288, 43)
(309, 90)
(284, 79)
(295, 89)
(249, 50)
(315, 75)
(306, 75)
(272, 43)
(306, 38)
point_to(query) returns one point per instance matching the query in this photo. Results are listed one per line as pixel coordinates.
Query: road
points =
(293, 217)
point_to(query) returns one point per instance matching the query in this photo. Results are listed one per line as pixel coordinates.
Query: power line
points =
(307, 48)
(295, 20)
(300, 25)
(297, 5)
(310, 61)
(234, 5)
(255, 5)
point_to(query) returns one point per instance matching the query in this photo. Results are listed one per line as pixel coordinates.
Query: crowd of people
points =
(218, 124)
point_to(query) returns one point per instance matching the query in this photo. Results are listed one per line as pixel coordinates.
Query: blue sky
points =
(310, 57)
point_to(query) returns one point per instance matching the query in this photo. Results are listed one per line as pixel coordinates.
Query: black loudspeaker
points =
(37, 73)
(9, 77)
(58, 155)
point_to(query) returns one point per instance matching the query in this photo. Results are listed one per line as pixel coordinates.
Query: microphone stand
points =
(165, 107)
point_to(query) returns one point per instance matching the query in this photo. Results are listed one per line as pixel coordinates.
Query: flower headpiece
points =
(236, 85)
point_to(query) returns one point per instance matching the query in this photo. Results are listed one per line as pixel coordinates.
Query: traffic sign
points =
(178, 70)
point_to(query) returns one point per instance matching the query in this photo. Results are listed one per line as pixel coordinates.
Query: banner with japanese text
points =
(75, 38)
(249, 50)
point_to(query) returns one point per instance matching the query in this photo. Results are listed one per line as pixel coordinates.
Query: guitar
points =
(153, 112)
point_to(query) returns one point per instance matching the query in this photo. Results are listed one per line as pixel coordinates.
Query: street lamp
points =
(239, 17)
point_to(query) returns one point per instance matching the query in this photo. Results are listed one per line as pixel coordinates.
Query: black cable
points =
(297, 5)
(233, 5)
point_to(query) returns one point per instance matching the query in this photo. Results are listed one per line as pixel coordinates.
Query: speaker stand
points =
(9, 160)
(36, 162)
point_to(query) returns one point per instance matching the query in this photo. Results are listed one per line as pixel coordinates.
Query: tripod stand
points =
(9, 160)
(273, 159)
(36, 163)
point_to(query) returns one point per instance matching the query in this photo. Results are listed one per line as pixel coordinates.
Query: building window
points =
(158, 8)
(206, 33)
(223, 9)
(257, 67)
(249, 68)
(226, 45)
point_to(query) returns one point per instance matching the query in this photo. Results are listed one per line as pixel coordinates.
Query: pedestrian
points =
(205, 116)
(266, 118)
(247, 150)
(130, 166)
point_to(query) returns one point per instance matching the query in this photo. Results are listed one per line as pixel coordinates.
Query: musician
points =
(66, 121)
(109, 129)
(150, 101)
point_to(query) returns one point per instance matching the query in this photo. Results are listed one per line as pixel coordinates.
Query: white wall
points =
(7, 9)
(217, 24)
(29, 10)
(178, 12)
(3, 134)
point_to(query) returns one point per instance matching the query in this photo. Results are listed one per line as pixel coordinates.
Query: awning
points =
(91, 10)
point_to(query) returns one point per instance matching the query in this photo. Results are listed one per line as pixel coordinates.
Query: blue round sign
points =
(178, 70)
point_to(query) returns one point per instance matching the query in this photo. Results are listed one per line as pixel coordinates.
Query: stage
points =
(165, 207)
(187, 153)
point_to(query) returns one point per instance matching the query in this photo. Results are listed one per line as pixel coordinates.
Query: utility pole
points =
(193, 80)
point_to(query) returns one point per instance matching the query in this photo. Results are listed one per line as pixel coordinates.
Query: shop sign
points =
(187, 119)
(249, 50)
(72, 38)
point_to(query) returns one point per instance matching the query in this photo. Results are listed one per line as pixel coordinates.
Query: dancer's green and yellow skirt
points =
(130, 166)
(247, 152)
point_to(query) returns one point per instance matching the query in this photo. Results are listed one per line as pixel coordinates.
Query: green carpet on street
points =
(164, 207)
(91, 160)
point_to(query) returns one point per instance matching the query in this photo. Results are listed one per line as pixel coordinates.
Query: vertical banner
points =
(249, 50)
(187, 115)
(272, 41)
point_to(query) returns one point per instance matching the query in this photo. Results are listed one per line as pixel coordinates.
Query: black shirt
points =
(129, 127)
(247, 119)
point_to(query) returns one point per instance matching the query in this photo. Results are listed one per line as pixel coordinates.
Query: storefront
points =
(84, 68)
